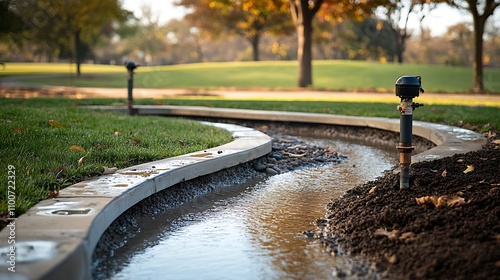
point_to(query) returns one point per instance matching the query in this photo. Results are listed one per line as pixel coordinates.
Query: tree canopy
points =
(66, 28)
(247, 18)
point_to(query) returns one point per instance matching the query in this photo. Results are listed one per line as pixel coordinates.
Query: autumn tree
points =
(62, 24)
(303, 13)
(480, 10)
(247, 18)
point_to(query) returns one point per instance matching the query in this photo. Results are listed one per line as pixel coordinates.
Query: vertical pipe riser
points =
(130, 86)
(130, 65)
(407, 88)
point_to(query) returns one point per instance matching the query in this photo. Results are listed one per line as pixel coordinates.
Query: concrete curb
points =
(55, 239)
(59, 235)
(449, 140)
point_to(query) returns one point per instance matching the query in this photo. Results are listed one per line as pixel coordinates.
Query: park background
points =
(155, 33)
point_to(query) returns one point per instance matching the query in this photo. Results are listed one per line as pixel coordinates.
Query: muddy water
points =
(252, 231)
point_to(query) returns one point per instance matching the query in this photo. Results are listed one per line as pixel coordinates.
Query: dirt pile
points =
(406, 236)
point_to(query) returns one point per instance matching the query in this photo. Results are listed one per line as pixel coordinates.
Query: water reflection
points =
(252, 231)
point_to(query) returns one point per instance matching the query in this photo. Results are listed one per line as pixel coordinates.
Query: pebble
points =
(271, 171)
(277, 157)
(260, 167)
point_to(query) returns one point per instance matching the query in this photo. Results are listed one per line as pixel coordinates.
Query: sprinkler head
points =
(131, 65)
(408, 87)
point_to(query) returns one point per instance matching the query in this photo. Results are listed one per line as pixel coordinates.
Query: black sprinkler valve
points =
(407, 88)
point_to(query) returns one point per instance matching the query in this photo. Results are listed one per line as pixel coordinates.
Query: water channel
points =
(254, 230)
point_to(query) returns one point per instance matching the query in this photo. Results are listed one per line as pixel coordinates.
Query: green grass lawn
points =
(327, 75)
(55, 143)
(480, 118)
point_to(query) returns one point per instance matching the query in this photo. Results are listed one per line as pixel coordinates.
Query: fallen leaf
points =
(444, 200)
(372, 190)
(496, 141)
(470, 168)
(389, 234)
(109, 170)
(450, 201)
(55, 123)
(20, 129)
(53, 194)
(444, 173)
(392, 259)
(117, 133)
(77, 148)
(426, 200)
(408, 236)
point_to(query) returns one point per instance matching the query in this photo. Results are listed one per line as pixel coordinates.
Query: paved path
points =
(428, 98)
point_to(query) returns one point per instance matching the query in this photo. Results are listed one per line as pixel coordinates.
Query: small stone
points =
(272, 160)
(260, 167)
(276, 148)
(277, 157)
(271, 171)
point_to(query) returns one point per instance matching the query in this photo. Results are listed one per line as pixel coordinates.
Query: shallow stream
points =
(254, 230)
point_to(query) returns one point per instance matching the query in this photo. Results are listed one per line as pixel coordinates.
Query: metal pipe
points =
(405, 142)
(407, 88)
(130, 86)
(130, 65)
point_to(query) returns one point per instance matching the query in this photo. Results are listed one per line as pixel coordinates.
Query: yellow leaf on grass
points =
(19, 129)
(55, 123)
(77, 148)
(470, 168)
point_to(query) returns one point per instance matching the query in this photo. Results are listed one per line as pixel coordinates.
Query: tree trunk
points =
(304, 52)
(477, 65)
(78, 55)
(303, 15)
(255, 47)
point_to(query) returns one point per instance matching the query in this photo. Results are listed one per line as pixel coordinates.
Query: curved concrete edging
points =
(449, 140)
(55, 239)
(60, 246)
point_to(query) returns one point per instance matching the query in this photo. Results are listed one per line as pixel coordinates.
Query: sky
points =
(438, 20)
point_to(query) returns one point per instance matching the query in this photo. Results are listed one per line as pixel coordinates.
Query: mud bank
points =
(403, 239)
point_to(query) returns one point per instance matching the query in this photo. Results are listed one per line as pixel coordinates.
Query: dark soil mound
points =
(381, 224)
